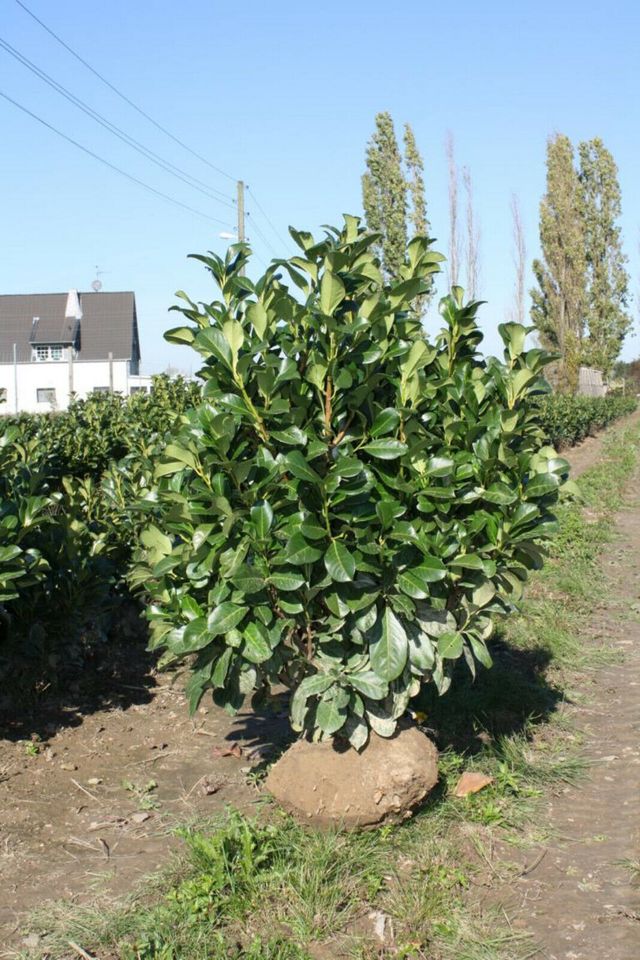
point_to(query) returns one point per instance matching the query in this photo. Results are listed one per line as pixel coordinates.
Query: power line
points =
(264, 214)
(122, 95)
(254, 226)
(166, 165)
(112, 166)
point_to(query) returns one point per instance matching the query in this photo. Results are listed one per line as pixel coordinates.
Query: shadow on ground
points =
(500, 702)
(59, 684)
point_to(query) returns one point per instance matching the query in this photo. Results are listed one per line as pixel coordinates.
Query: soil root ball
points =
(331, 784)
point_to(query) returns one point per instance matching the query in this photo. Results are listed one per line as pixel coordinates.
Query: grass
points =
(267, 889)
(633, 868)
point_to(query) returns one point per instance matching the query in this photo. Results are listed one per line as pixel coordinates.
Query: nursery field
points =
(93, 789)
(326, 542)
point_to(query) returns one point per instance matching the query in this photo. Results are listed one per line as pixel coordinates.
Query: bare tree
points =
(454, 240)
(517, 313)
(472, 244)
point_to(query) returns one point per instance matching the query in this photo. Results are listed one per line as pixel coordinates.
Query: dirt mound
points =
(326, 784)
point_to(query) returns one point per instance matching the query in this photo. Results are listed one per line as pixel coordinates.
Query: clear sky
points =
(283, 95)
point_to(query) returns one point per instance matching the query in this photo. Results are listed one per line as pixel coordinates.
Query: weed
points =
(143, 792)
(633, 866)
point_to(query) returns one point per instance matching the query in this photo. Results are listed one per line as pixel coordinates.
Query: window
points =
(46, 395)
(46, 351)
(133, 390)
(100, 390)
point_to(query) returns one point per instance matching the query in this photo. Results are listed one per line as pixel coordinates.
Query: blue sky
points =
(284, 95)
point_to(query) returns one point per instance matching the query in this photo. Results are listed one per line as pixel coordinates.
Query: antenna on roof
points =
(96, 286)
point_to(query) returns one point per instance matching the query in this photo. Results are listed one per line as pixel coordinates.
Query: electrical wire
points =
(266, 241)
(166, 165)
(276, 232)
(123, 96)
(112, 166)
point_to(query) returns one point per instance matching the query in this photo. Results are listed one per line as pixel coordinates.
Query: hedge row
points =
(567, 420)
(76, 489)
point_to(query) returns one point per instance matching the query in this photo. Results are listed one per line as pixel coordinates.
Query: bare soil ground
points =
(89, 790)
(579, 895)
(93, 809)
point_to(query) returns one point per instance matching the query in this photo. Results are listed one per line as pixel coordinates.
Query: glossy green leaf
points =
(286, 581)
(385, 449)
(340, 564)
(450, 645)
(369, 684)
(256, 647)
(499, 493)
(224, 617)
(248, 579)
(385, 422)
(262, 518)
(541, 485)
(329, 716)
(298, 551)
(296, 463)
(416, 581)
(389, 649)
(332, 292)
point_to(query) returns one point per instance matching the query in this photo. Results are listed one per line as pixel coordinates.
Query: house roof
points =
(108, 324)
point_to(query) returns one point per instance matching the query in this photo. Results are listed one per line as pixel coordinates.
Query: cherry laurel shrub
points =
(351, 504)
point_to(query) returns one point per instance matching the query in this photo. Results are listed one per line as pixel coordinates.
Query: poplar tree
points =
(559, 299)
(415, 182)
(607, 280)
(393, 197)
(384, 194)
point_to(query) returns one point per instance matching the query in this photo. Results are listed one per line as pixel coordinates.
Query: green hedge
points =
(76, 487)
(567, 420)
(84, 439)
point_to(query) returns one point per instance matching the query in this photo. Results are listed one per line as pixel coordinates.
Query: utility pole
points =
(241, 236)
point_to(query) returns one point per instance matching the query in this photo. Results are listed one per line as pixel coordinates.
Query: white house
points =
(55, 345)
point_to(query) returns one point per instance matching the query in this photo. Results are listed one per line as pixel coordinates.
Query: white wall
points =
(86, 374)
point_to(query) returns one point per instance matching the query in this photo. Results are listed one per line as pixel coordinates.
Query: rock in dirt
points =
(330, 783)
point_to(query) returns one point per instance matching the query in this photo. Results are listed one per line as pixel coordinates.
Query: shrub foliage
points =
(75, 489)
(567, 419)
(351, 504)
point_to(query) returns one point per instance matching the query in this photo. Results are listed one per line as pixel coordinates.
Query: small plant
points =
(143, 792)
(351, 505)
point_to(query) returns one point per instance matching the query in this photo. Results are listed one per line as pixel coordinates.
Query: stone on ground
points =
(330, 783)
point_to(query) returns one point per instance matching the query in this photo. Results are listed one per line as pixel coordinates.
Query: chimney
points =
(73, 310)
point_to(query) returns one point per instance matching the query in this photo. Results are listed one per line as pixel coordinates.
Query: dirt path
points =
(581, 902)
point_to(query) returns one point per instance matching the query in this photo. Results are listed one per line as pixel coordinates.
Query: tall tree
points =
(472, 239)
(384, 194)
(415, 183)
(520, 261)
(559, 299)
(454, 240)
(394, 198)
(607, 295)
